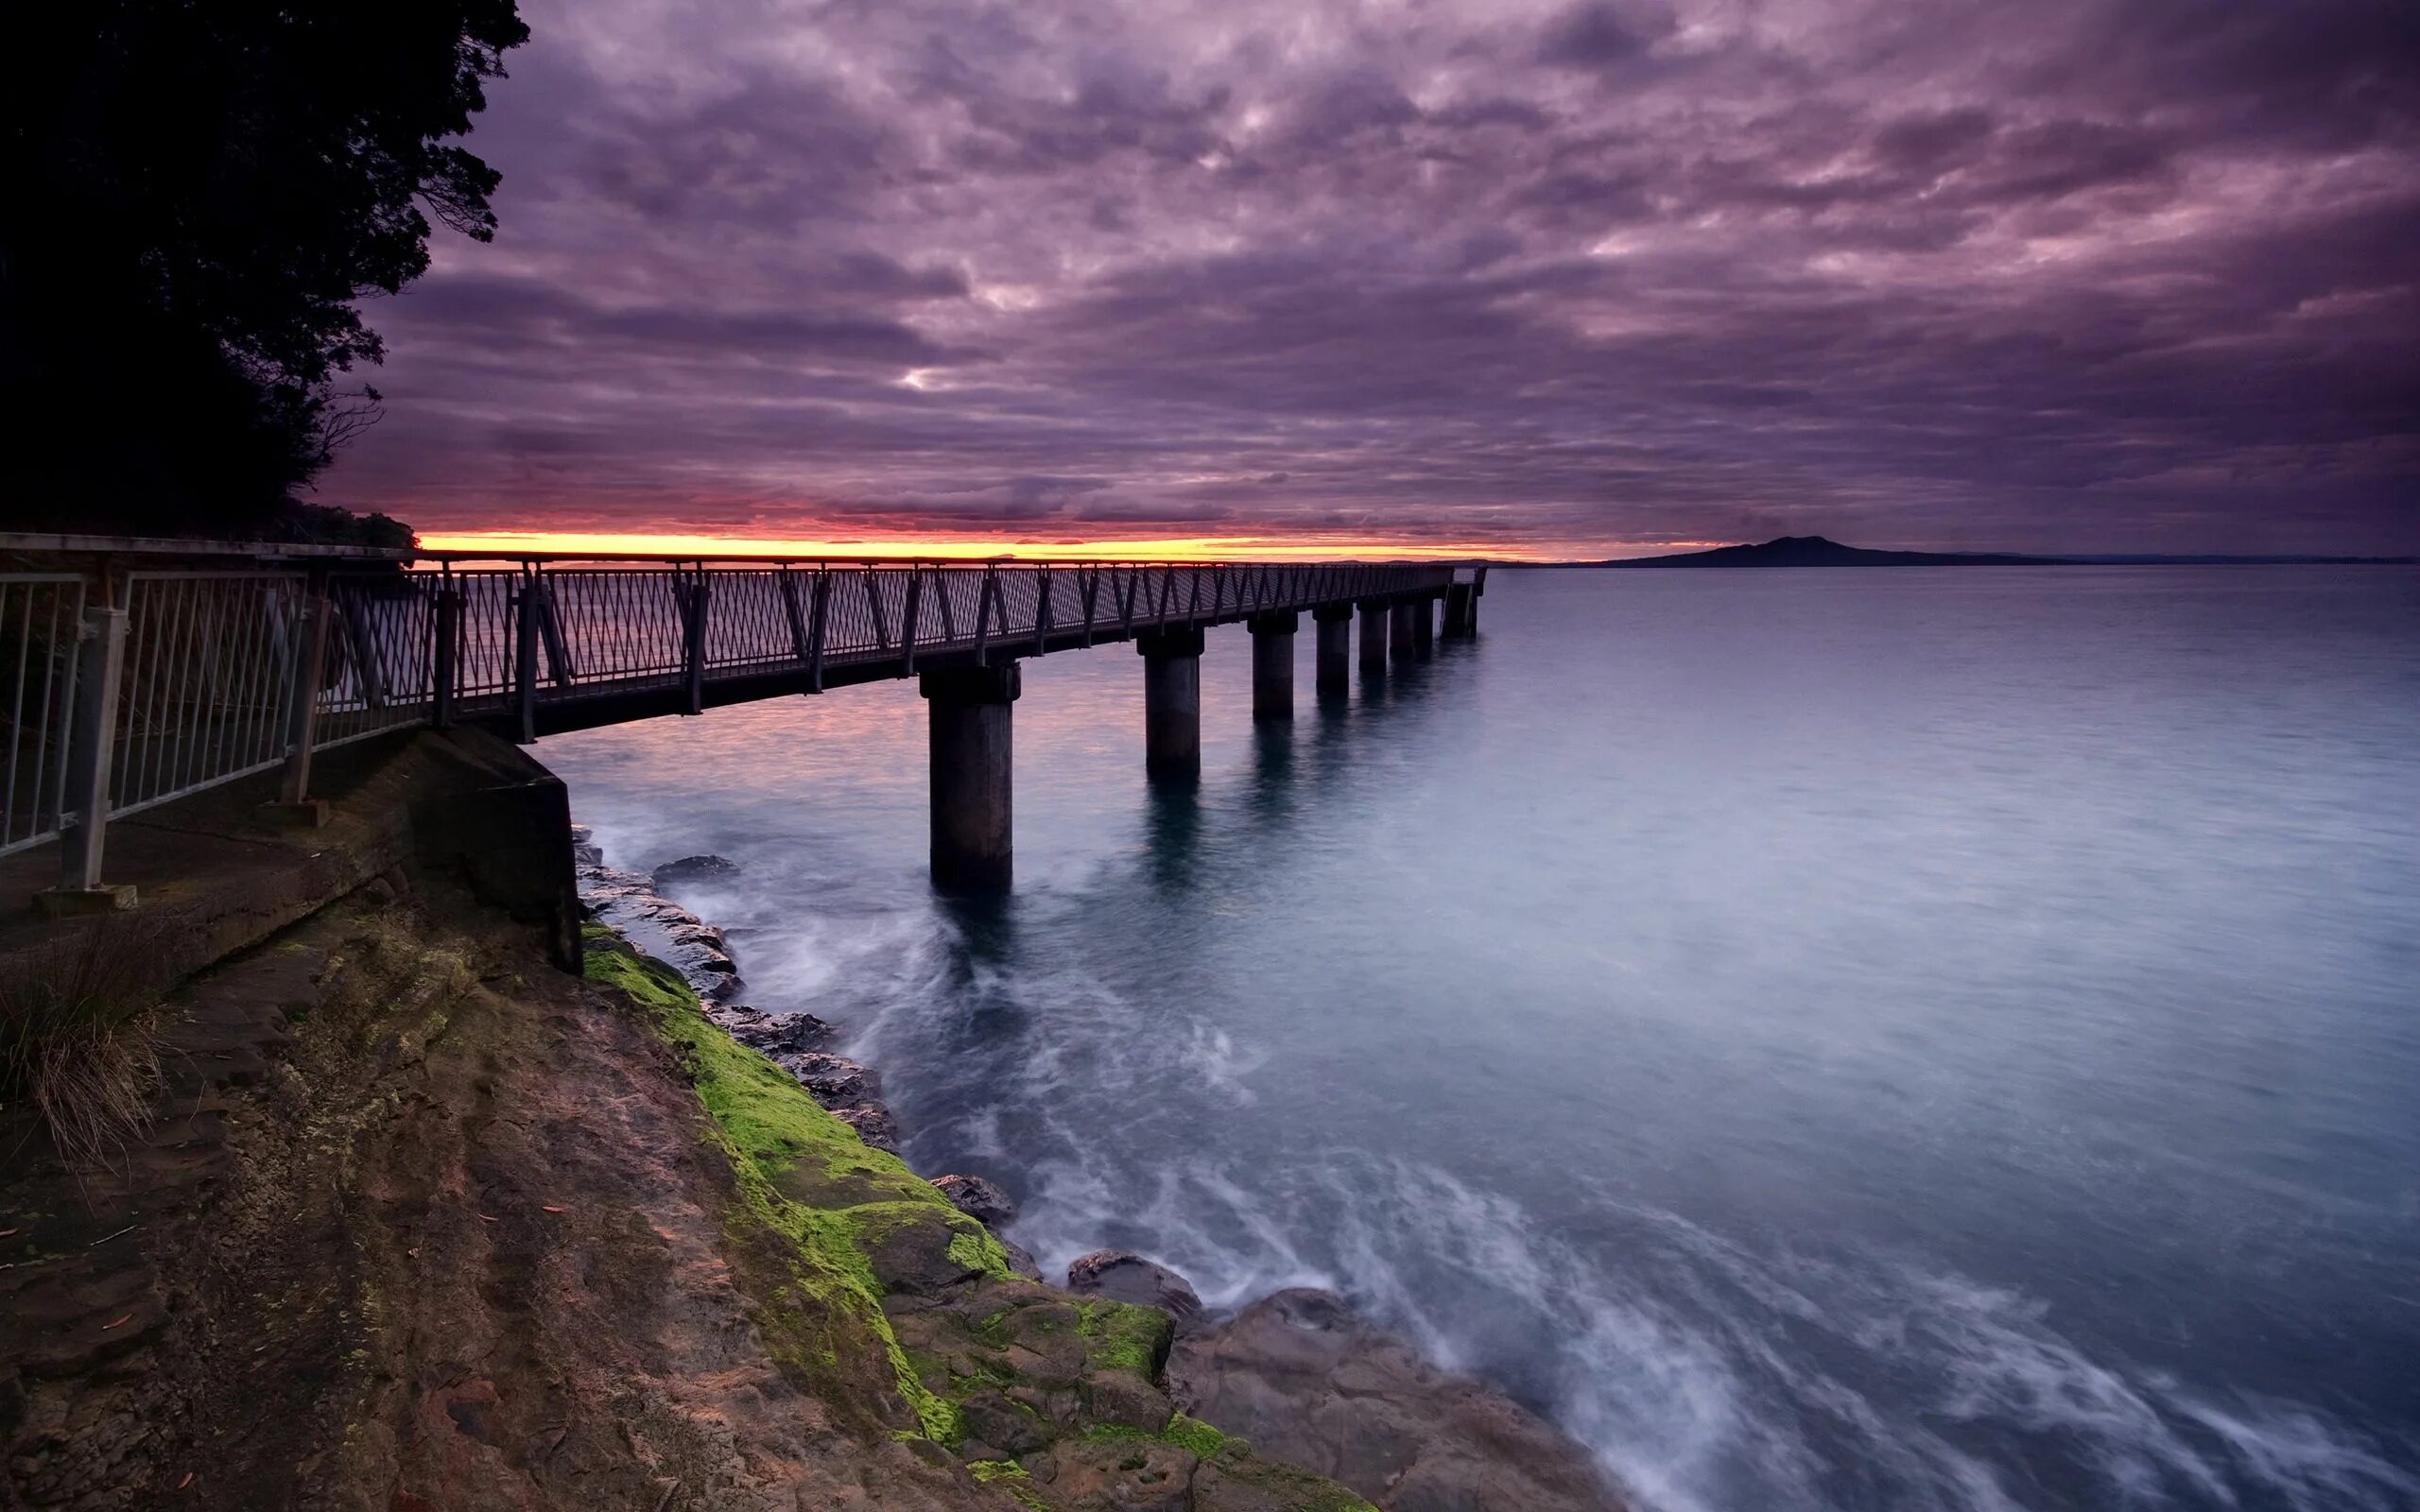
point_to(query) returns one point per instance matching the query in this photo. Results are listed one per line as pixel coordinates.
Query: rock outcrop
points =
(630, 903)
(1306, 1378)
(1123, 1276)
(775, 1034)
(635, 906)
(689, 870)
(980, 1199)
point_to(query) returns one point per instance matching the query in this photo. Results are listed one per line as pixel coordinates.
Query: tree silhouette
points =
(200, 194)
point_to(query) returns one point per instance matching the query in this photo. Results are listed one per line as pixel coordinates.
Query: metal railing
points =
(41, 616)
(551, 633)
(155, 671)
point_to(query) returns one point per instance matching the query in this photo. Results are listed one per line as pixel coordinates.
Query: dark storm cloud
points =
(2077, 273)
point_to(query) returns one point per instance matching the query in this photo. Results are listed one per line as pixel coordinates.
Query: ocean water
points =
(1832, 1039)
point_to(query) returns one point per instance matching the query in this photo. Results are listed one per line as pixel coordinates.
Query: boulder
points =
(874, 1124)
(980, 1200)
(836, 1081)
(775, 1034)
(1021, 1261)
(1123, 1276)
(996, 1420)
(692, 870)
(1305, 1379)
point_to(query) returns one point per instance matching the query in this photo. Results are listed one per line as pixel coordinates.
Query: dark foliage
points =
(200, 195)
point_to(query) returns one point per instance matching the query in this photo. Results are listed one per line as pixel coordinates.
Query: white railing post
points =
(92, 741)
(302, 696)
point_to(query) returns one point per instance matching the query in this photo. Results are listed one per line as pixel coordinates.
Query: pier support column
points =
(1374, 636)
(1424, 624)
(1399, 631)
(1457, 611)
(1171, 702)
(970, 709)
(1272, 664)
(1332, 624)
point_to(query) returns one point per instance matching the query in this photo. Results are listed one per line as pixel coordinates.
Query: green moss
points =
(1121, 1337)
(988, 1471)
(1195, 1434)
(1189, 1434)
(980, 1251)
(782, 1146)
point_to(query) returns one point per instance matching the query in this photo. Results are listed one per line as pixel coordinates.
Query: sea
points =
(1852, 1039)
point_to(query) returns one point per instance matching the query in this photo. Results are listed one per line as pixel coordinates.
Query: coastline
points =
(1299, 1371)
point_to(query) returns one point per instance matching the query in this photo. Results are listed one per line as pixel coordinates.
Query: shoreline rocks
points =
(633, 903)
(1307, 1378)
(980, 1199)
(1123, 1276)
(983, 1202)
(1299, 1373)
(630, 903)
(776, 1034)
(689, 870)
(799, 1043)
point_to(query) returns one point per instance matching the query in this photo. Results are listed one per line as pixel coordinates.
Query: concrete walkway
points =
(214, 875)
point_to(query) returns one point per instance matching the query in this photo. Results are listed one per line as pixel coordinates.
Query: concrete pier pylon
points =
(1171, 702)
(1423, 626)
(1457, 611)
(969, 712)
(1399, 630)
(1374, 636)
(1272, 664)
(1333, 625)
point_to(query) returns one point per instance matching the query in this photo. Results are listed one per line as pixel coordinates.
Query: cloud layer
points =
(2088, 274)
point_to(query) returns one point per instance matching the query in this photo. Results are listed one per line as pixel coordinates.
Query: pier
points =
(140, 672)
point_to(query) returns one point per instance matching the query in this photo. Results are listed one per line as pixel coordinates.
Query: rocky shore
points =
(1299, 1372)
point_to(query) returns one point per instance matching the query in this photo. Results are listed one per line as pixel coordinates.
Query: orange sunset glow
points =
(961, 547)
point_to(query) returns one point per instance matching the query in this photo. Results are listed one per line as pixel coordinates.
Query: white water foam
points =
(1712, 1373)
(1709, 1374)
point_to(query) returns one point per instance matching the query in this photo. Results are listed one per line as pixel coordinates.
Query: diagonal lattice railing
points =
(135, 680)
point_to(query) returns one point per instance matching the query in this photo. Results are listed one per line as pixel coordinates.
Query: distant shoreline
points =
(1816, 551)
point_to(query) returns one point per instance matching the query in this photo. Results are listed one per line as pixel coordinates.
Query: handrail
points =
(37, 543)
(165, 667)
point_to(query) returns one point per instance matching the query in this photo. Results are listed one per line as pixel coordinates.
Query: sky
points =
(1434, 276)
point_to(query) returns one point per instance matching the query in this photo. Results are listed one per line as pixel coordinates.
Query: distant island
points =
(1818, 551)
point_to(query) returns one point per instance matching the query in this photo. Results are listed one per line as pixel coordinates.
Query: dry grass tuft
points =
(78, 1034)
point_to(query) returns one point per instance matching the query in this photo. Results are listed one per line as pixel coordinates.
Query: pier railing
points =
(133, 673)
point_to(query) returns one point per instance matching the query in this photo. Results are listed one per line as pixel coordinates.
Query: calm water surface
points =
(1833, 1039)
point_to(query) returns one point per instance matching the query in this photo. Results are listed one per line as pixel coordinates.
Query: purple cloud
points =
(2084, 274)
